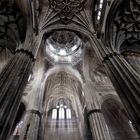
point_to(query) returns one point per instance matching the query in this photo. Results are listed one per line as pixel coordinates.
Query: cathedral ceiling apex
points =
(67, 8)
(66, 13)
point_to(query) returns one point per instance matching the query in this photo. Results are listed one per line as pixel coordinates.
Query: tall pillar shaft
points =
(124, 78)
(127, 85)
(12, 82)
(96, 119)
(98, 125)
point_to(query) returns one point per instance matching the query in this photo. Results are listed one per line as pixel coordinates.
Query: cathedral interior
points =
(69, 69)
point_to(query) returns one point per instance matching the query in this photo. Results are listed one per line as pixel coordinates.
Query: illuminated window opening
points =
(62, 52)
(100, 6)
(68, 113)
(30, 77)
(99, 10)
(54, 114)
(101, 1)
(74, 48)
(61, 113)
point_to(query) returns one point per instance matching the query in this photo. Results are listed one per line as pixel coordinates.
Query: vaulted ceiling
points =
(12, 26)
(115, 21)
(123, 26)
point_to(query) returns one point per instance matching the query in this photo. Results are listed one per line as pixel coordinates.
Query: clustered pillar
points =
(98, 125)
(127, 85)
(125, 80)
(12, 82)
(95, 117)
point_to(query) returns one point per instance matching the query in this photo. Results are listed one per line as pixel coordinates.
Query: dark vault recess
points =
(123, 26)
(12, 26)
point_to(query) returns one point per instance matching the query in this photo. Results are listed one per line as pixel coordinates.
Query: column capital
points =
(27, 52)
(93, 111)
(109, 55)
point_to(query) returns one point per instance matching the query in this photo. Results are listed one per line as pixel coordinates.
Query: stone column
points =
(124, 78)
(13, 79)
(98, 125)
(12, 82)
(32, 128)
(96, 119)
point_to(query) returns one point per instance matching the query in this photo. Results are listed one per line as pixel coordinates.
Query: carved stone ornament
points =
(67, 8)
(128, 23)
(138, 1)
(12, 25)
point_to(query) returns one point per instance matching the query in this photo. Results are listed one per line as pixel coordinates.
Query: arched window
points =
(68, 113)
(54, 114)
(61, 113)
(99, 15)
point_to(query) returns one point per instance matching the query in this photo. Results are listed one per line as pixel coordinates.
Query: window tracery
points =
(61, 112)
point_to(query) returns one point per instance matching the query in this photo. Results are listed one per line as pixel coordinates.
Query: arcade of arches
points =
(69, 69)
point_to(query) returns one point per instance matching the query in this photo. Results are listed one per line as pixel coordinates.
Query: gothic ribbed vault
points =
(69, 69)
